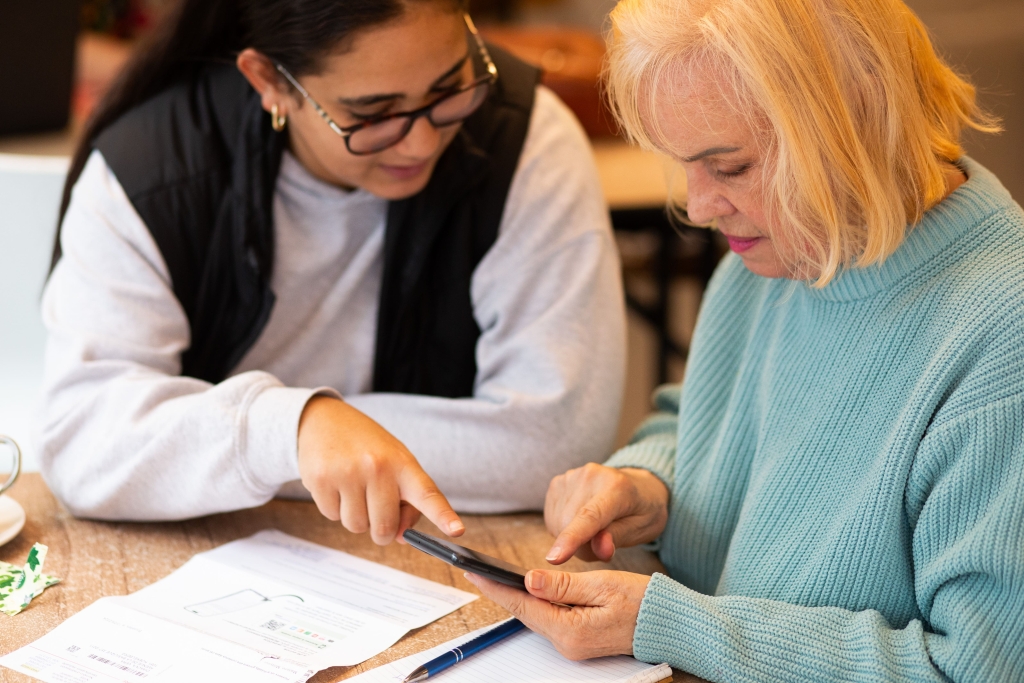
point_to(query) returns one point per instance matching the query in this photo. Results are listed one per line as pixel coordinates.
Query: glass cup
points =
(10, 462)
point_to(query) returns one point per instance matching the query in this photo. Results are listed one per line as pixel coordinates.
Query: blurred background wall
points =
(984, 40)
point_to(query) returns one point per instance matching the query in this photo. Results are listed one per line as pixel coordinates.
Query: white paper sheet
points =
(267, 608)
(524, 657)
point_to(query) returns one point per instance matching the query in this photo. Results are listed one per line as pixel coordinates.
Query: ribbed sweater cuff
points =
(655, 454)
(743, 639)
(271, 450)
(673, 627)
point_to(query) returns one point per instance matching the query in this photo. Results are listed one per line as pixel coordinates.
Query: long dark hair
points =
(294, 33)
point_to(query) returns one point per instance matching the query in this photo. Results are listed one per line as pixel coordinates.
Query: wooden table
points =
(96, 559)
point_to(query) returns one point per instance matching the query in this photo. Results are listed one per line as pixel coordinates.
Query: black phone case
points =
(467, 559)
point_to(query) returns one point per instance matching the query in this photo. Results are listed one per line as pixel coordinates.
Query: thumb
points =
(603, 545)
(407, 517)
(567, 588)
(420, 491)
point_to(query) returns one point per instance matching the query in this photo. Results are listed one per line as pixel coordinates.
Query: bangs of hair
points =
(859, 114)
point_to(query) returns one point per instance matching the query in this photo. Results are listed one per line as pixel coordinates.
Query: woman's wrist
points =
(649, 486)
(653, 498)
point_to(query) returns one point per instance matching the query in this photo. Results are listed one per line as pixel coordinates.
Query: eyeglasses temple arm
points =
(491, 68)
(302, 91)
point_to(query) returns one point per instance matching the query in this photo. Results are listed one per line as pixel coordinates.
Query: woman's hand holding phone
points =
(592, 510)
(359, 473)
(583, 614)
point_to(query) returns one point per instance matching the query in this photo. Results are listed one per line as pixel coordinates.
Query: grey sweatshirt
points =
(124, 436)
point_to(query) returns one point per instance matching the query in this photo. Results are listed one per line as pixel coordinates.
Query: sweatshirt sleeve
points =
(122, 434)
(963, 504)
(551, 355)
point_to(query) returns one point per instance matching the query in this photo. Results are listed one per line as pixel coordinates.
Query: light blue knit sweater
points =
(847, 467)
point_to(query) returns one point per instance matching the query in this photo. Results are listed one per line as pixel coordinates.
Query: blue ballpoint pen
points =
(456, 655)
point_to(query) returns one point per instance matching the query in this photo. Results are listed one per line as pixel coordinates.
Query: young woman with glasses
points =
(335, 246)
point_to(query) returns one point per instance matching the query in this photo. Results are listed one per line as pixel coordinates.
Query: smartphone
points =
(467, 559)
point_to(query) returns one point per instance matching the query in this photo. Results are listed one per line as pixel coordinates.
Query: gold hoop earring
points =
(277, 122)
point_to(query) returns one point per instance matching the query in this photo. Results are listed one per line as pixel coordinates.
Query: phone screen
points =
(468, 559)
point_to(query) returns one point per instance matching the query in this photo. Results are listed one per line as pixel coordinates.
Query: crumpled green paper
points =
(18, 587)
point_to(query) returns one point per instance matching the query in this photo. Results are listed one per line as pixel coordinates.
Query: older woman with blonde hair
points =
(837, 490)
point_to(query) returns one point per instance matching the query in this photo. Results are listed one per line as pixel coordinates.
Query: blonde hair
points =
(859, 112)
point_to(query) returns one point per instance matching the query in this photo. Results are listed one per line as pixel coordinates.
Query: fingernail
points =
(535, 580)
(455, 527)
(553, 553)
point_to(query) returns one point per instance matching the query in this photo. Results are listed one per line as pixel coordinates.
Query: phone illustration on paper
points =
(234, 602)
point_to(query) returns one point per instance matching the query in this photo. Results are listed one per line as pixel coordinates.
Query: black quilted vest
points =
(199, 162)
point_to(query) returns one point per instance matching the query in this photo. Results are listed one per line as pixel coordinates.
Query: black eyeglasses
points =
(377, 134)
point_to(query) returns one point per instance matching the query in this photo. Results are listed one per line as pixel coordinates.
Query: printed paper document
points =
(270, 608)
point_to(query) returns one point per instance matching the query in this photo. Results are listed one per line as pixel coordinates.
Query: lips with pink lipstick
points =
(404, 172)
(742, 244)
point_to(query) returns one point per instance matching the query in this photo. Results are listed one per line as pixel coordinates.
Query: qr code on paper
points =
(272, 625)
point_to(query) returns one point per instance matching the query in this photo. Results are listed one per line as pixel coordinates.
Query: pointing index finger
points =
(585, 525)
(420, 491)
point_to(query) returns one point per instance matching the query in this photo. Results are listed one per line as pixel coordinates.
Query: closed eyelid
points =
(439, 90)
(731, 170)
(455, 82)
(360, 117)
(731, 165)
(711, 152)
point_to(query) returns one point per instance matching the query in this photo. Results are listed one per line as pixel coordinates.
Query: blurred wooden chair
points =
(571, 60)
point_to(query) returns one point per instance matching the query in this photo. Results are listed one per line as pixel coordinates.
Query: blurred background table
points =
(97, 559)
